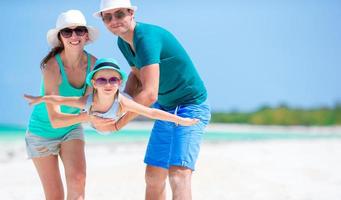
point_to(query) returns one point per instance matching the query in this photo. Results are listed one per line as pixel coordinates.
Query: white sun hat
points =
(113, 4)
(68, 19)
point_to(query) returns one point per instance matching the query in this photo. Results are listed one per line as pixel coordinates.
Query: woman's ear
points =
(87, 38)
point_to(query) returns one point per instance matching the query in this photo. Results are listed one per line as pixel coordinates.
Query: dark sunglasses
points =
(79, 30)
(103, 81)
(107, 17)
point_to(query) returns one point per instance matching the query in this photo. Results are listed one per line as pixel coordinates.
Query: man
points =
(162, 72)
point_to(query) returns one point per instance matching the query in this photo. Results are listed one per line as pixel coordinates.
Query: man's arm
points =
(133, 85)
(149, 78)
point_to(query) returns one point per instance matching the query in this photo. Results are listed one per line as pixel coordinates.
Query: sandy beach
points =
(239, 170)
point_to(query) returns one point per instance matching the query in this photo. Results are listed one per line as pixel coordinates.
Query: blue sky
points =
(249, 52)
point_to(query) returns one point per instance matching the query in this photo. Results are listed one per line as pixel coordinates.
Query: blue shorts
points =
(175, 145)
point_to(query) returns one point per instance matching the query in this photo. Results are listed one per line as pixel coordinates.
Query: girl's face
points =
(106, 81)
(74, 37)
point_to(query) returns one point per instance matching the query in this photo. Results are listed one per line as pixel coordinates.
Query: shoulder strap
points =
(89, 63)
(120, 114)
(61, 66)
(116, 104)
(88, 69)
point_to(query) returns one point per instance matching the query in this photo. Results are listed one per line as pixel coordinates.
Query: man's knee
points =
(179, 175)
(155, 176)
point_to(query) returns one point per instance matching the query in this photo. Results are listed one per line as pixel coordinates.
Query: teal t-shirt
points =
(39, 123)
(179, 82)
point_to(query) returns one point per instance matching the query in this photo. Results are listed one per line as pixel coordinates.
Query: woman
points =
(64, 72)
(106, 100)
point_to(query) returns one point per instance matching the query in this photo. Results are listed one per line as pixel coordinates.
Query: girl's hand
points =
(33, 100)
(188, 121)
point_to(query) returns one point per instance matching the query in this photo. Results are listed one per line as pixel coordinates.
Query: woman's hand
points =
(33, 100)
(188, 121)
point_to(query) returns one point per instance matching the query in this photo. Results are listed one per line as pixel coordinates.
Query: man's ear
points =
(131, 12)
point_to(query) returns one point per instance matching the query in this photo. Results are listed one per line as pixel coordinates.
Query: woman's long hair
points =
(54, 51)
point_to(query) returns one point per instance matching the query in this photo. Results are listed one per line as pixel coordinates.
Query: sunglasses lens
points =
(66, 32)
(114, 80)
(119, 14)
(81, 30)
(101, 81)
(107, 18)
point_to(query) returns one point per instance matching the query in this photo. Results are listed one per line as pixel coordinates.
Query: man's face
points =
(118, 20)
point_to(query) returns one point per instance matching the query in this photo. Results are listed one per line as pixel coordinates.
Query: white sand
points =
(263, 170)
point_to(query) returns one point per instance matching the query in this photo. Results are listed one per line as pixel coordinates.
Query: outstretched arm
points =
(78, 102)
(132, 106)
(147, 90)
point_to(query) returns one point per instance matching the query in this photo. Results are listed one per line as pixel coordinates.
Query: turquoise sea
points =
(11, 133)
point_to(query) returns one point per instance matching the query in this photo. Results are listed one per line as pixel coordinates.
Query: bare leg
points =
(72, 155)
(155, 183)
(180, 181)
(49, 174)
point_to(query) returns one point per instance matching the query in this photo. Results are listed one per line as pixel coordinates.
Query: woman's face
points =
(106, 81)
(74, 37)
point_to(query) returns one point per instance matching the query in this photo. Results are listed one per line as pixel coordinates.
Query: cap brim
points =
(98, 13)
(52, 38)
(93, 34)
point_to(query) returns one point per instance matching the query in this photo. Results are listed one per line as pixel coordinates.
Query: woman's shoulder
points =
(51, 72)
(51, 66)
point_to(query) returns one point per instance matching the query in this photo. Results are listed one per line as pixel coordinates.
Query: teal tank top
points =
(39, 123)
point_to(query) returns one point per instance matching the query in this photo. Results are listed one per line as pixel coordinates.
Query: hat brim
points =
(91, 74)
(98, 13)
(52, 35)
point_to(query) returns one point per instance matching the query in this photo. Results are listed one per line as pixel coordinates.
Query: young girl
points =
(106, 100)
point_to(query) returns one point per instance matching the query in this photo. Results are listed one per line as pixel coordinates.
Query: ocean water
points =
(12, 133)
